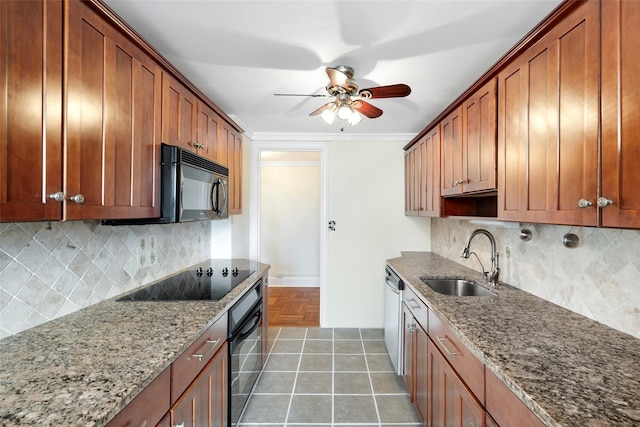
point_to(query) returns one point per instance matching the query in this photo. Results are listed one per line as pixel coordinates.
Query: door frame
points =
(257, 148)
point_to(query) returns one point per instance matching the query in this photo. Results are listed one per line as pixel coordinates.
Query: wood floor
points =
(289, 306)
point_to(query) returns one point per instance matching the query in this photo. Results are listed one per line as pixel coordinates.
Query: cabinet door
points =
(479, 121)
(451, 172)
(112, 122)
(408, 356)
(179, 114)
(230, 155)
(548, 125)
(207, 132)
(235, 173)
(411, 181)
(450, 402)
(31, 117)
(620, 113)
(421, 374)
(422, 176)
(204, 404)
(429, 152)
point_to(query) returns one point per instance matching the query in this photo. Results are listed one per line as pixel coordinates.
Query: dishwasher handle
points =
(393, 280)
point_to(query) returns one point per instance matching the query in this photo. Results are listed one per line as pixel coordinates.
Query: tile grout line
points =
(373, 394)
(333, 377)
(295, 380)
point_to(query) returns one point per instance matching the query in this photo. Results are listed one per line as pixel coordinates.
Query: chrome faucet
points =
(495, 269)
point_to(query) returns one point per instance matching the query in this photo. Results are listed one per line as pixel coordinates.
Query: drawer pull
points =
(410, 300)
(202, 355)
(453, 354)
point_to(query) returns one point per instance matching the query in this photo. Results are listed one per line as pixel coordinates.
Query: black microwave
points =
(192, 188)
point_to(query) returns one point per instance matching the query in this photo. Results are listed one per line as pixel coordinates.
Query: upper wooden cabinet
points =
(208, 132)
(422, 176)
(95, 149)
(469, 144)
(548, 125)
(620, 115)
(31, 42)
(179, 114)
(230, 155)
(451, 160)
(113, 114)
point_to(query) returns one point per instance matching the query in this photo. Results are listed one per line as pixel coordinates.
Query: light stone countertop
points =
(568, 369)
(83, 368)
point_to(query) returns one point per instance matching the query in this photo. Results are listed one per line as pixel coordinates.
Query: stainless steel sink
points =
(458, 287)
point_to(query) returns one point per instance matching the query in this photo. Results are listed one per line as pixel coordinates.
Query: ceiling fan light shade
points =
(329, 114)
(355, 118)
(345, 112)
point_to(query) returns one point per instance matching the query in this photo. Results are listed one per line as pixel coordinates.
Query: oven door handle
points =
(247, 329)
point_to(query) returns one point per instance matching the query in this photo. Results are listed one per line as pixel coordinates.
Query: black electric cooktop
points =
(199, 284)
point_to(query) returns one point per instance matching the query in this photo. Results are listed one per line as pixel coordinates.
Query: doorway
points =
(288, 217)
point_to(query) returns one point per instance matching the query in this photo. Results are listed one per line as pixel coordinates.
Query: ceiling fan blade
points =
(338, 78)
(321, 109)
(301, 94)
(367, 109)
(391, 91)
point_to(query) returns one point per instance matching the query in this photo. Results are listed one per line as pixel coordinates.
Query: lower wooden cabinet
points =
(415, 366)
(451, 403)
(204, 404)
(447, 384)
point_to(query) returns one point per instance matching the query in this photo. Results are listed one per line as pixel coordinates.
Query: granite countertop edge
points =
(51, 364)
(492, 329)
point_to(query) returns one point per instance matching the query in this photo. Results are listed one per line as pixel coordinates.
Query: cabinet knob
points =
(58, 197)
(603, 202)
(78, 198)
(584, 203)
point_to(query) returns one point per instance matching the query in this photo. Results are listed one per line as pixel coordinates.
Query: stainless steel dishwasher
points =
(393, 318)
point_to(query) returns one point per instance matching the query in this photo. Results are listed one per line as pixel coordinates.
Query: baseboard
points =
(294, 281)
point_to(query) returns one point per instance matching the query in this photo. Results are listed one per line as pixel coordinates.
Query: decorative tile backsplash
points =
(49, 269)
(599, 279)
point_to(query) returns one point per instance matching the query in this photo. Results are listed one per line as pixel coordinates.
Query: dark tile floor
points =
(328, 377)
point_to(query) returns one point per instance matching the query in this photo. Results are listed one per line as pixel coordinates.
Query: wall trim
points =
(294, 281)
(302, 138)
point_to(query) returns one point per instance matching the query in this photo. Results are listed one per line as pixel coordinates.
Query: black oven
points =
(245, 349)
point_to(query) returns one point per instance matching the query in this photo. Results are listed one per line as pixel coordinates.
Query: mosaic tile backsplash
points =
(49, 269)
(599, 279)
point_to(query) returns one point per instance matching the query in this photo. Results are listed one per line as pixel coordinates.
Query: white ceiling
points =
(239, 53)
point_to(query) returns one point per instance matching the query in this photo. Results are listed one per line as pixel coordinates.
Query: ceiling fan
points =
(349, 103)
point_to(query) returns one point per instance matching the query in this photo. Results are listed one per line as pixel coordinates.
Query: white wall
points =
(366, 200)
(290, 221)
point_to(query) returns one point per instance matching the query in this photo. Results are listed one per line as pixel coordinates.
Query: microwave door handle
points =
(224, 197)
(219, 190)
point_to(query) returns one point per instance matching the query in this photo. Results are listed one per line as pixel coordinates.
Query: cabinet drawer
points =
(148, 407)
(505, 407)
(417, 306)
(185, 369)
(466, 364)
